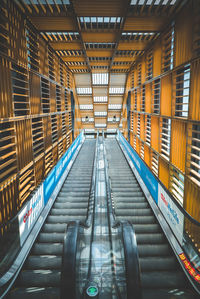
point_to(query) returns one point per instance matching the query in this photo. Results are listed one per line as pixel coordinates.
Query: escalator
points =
(161, 275)
(88, 241)
(40, 276)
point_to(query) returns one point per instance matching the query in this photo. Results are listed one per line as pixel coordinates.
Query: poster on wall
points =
(171, 213)
(30, 214)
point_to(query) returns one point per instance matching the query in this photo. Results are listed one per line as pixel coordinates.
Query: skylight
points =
(84, 90)
(97, 125)
(100, 99)
(114, 106)
(100, 78)
(86, 107)
(100, 113)
(116, 90)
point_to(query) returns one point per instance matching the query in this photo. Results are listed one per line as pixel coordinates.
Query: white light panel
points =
(100, 113)
(100, 79)
(116, 90)
(86, 107)
(100, 99)
(100, 125)
(114, 106)
(84, 90)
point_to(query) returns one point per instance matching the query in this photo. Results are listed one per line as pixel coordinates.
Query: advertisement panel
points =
(171, 213)
(30, 213)
(146, 175)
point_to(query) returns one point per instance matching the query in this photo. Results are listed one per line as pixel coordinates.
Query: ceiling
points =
(96, 37)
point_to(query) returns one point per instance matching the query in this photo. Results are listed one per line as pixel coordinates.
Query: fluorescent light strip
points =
(100, 99)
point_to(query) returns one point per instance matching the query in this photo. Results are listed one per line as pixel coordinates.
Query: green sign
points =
(92, 291)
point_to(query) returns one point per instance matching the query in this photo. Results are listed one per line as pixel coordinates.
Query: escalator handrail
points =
(133, 272)
(88, 220)
(68, 270)
(181, 208)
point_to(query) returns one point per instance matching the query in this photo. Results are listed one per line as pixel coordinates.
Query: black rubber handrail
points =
(68, 270)
(194, 221)
(133, 272)
(88, 220)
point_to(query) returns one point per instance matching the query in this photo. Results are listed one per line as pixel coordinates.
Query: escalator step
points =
(64, 219)
(155, 238)
(47, 249)
(146, 250)
(138, 219)
(161, 279)
(44, 262)
(157, 263)
(50, 237)
(36, 293)
(133, 212)
(39, 278)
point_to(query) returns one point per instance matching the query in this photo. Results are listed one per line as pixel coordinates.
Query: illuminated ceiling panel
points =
(100, 78)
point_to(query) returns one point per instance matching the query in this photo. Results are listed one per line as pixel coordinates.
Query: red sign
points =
(189, 268)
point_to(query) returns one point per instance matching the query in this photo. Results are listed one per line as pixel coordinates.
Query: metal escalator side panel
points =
(133, 272)
(68, 271)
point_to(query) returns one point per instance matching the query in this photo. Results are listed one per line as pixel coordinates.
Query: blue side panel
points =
(146, 175)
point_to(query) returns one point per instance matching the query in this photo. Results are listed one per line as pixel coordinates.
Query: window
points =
(132, 121)
(58, 98)
(182, 91)
(135, 99)
(177, 184)
(156, 96)
(142, 151)
(45, 98)
(32, 48)
(194, 153)
(20, 90)
(38, 138)
(54, 128)
(143, 99)
(134, 142)
(148, 130)
(149, 65)
(168, 50)
(138, 125)
(165, 137)
(51, 64)
(139, 78)
(7, 150)
(154, 163)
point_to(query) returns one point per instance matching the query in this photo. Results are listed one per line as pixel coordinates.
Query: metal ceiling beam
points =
(80, 34)
(119, 32)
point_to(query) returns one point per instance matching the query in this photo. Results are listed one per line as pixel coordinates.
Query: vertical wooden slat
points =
(178, 144)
